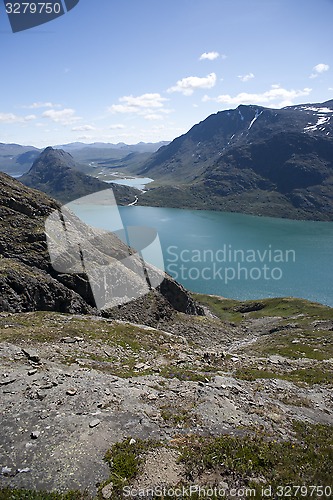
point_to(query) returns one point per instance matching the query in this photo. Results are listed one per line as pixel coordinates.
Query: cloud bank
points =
(276, 96)
(191, 83)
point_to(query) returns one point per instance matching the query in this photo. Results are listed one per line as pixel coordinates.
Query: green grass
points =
(289, 306)
(296, 333)
(123, 367)
(128, 344)
(311, 375)
(178, 416)
(306, 461)
(230, 310)
(125, 459)
(301, 343)
(185, 374)
(224, 309)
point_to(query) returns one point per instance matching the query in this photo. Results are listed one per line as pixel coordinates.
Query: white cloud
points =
(133, 104)
(209, 55)
(85, 138)
(318, 69)
(37, 105)
(146, 105)
(11, 118)
(153, 116)
(83, 128)
(64, 116)
(188, 85)
(117, 126)
(247, 77)
(275, 97)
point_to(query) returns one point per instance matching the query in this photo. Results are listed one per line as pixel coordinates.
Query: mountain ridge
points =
(16, 159)
(56, 173)
(250, 153)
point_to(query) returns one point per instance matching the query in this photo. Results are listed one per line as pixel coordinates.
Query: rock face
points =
(275, 162)
(29, 282)
(71, 386)
(55, 173)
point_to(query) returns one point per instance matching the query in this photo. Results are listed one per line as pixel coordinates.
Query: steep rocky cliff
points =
(28, 281)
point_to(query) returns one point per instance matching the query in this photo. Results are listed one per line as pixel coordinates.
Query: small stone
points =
(32, 372)
(23, 471)
(94, 423)
(107, 491)
(6, 470)
(68, 340)
(48, 385)
(275, 417)
(7, 381)
(32, 355)
(71, 392)
(35, 434)
(276, 360)
(152, 397)
(140, 366)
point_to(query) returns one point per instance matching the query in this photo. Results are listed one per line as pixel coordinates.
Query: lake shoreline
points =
(253, 266)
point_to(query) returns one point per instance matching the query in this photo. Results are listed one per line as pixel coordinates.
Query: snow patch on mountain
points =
(318, 110)
(321, 120)
(256, 116)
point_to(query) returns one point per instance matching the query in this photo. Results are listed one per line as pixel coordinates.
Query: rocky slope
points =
(28, 281)
(229, 400)
(275, 162)
(56, 173)
(150, 396)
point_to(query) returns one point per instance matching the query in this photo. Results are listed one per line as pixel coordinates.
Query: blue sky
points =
(147, 70)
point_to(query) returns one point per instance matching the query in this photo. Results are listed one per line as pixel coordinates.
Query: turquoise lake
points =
(233, 255)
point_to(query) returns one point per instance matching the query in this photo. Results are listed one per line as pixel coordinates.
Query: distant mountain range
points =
(141, 147)
(252, 159)
(255, 160)
(16, 160)
(56, 173)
